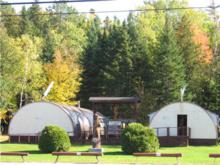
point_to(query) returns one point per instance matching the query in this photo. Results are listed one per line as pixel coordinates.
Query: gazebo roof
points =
(115, 100)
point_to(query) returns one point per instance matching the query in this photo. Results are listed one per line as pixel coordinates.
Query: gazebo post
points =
(115, 111)
(136, 111)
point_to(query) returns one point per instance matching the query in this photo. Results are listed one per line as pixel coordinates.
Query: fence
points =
(173, 131)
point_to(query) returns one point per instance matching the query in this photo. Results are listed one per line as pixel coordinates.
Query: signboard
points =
(114, 122)
(114, 127)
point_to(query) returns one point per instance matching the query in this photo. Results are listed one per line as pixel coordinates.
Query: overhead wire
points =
(114, 11)
(48, 2)
(88, 12)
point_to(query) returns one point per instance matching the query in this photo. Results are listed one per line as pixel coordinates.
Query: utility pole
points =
(215, 18)
(213, 11)
(1, 65)
(166, 16)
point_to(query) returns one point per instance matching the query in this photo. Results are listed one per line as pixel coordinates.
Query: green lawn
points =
(113, 154)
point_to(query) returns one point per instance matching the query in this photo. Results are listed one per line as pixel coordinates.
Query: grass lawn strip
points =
(112, 154)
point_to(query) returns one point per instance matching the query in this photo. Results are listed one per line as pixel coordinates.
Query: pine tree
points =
(11, 23)
(25, 23)
(120, 65)
(141, 78)
(194, 45)
(140, 53)
(169, 71)
(90, 82)
(210, 87)
(188, 47)
(217, 84)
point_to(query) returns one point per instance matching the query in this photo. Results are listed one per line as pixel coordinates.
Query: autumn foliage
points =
(201, 39)
(65, 73)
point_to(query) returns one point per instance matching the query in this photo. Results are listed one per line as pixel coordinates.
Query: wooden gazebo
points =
(113, 101)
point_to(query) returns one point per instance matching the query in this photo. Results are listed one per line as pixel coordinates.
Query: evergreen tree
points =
(11, 23)
(217, 84)
(169, 71)
(49, 47)
(119, 68)
(142, 59)
(141, 54)
(25, 23)
(90, 82)
(38, 22)
(197, 60)
(190, 52)
(188, 47)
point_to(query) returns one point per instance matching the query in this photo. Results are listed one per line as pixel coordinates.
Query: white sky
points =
(117, 5)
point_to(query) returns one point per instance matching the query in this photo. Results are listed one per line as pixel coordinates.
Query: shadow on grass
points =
(4, 142)
(105, 153)
(115, 153)
(34, 152)
(111, 146)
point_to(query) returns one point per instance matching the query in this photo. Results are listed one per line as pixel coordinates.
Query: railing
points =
(173, 131)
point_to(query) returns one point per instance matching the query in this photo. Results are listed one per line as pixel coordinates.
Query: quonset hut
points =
(31, 119)
(182, 123)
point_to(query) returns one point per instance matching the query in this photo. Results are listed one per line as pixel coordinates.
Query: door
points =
(182, 125)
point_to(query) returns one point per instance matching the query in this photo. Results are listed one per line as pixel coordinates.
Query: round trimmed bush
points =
(54, 138)
(137, 138)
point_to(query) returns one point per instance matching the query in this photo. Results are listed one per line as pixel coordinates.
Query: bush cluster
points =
(54, 138)
(137, 138)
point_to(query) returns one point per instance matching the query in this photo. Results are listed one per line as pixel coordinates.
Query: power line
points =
(113, 11)
(47, 2)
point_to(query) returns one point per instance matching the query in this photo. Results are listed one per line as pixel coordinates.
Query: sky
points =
(116, 5)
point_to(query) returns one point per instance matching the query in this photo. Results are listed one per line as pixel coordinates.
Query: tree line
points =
(151, 54)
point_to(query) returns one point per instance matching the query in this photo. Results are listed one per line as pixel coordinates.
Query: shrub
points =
(54, 138)
(137, 138)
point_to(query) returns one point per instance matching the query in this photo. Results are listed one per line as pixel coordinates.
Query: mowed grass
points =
(113, 154)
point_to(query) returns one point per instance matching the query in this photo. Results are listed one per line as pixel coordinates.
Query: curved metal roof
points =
(79, 115)
(115, 100)
(214, 117)
(79, 119)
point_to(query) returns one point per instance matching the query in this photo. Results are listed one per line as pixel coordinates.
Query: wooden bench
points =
(22, 154)
(215, 156)
(141, 154)
(96, 154)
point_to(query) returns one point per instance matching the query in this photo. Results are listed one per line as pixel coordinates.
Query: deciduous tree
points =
(65, 73)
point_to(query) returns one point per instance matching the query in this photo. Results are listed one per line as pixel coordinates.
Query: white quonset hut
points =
(31, 119)
(182, 123)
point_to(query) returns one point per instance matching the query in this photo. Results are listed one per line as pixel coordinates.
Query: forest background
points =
(152, 54)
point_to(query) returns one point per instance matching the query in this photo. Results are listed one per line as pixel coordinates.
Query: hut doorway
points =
(182, 125)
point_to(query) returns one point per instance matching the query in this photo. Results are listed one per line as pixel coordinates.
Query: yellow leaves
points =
(150, 24)
(199, 18)
(2, 113)
(21, 66)
(66, 76)
(30, 76)
(69, 41)
(29, 50)
(73, 39)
